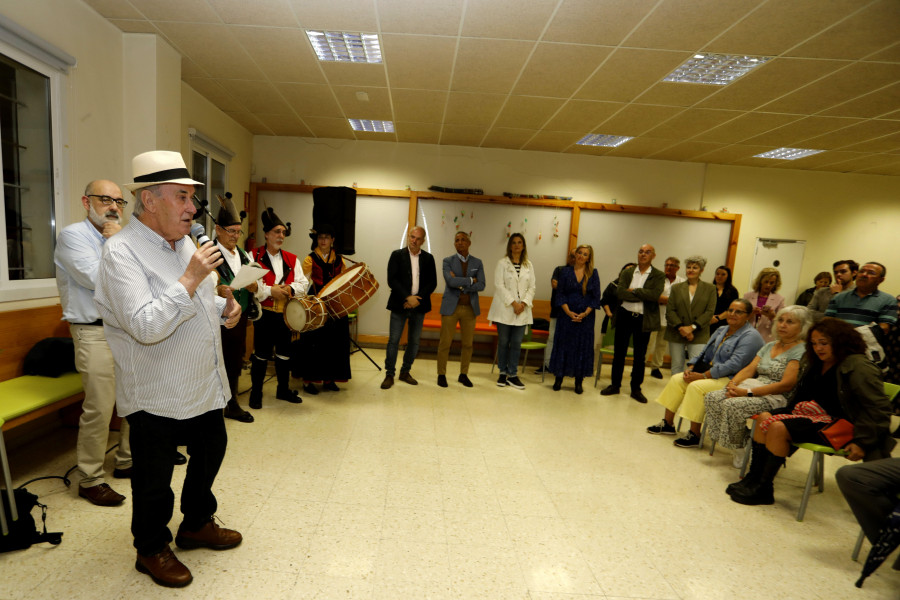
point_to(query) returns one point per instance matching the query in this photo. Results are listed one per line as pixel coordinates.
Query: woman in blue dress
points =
(578, 295)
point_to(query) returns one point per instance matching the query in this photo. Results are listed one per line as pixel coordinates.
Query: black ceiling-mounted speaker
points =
(336, 206)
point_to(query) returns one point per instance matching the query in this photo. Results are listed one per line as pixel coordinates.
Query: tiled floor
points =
(423, 492)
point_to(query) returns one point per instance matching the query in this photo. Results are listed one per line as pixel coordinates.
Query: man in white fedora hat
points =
(162, 317)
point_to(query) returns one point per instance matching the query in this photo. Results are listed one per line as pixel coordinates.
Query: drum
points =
(349, 290)
(305, 313)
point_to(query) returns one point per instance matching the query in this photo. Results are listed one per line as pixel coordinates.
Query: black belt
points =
(98, 322)
(630, 313)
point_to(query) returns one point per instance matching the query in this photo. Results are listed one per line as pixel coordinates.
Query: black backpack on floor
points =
(22, 532)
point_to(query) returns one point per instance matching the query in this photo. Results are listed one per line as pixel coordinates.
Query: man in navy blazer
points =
(464, 276)
(412, 278)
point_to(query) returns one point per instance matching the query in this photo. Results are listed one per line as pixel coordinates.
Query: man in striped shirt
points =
(866, 304)
(162, 317)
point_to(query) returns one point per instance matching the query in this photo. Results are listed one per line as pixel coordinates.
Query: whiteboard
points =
(616, 237)
(545, 228)
(380, 227)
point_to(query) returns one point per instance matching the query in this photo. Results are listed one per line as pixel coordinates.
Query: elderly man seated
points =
(729, 350)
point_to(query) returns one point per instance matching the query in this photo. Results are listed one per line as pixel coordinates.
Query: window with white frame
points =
(209, 164)
(30, 92)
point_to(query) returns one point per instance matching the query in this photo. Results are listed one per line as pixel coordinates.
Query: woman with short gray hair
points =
(688, 312)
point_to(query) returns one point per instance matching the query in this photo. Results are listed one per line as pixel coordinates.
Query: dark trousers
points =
(154, 441)
(234, 344)
(871, 490)
(629, 326)
(270, 332)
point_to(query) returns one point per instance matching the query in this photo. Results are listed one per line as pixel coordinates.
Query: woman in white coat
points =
(514, 287)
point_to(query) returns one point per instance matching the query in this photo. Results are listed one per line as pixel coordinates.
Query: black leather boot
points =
(762, 492)
(283, 374)
(758, 455)
(578, 388)
(557, 384)
(257, 379)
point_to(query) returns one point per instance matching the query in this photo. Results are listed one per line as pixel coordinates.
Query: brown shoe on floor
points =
(209, 536)
(164, 568)
(388, 382)
(407, 378)
(101, 495)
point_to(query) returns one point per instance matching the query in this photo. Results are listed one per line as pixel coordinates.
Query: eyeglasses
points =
(108, 200)
(731, 311)
(233, 231)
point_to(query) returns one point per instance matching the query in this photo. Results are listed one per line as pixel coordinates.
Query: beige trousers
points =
(689, 396)
(465, 316)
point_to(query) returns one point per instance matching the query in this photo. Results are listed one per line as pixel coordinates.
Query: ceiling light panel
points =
(598, 139)
(342, 46)
(373, 126)
(715, 69)
(788, 153)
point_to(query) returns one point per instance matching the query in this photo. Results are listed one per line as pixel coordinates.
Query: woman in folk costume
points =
(271, 335)
(323, 355)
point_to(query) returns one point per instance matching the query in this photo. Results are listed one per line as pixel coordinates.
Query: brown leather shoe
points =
(164, 568)
(209, 536)
(388, 382)
(101, 495)
(407, 378)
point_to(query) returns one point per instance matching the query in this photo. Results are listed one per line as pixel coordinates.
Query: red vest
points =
(289, 262)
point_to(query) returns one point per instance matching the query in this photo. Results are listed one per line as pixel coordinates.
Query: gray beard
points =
(98, 219)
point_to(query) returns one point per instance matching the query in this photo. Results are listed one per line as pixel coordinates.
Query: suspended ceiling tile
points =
(870, 105)
(582, 115)
(114, 9)
(507, 19)
(854, 134)
(792, 133)
(732, 153)
(376, 136)
(193, 11)
(591, 150)
(433, 18)
(506, 137)
(285, 125)
(778, 26)
(636, 119)
(249, 122)
(213, 49)
(772, 80)
(868, 161)
(600, 23)
(378, 106)
(134, 26)
(284, 55)
(275, 13)
(330, 128)
(887, 143)
(691, 122)
(308, 99)
(676, 94)
(419, 62)
(213, 91)
(490, 66)
(461, 135)
(360, 74)
(472, 109)
(686, 150)
(557, 70)
(552, 141)
(745, 126)
(889, 54)
(641, 147)
(527, 112)
(189, 69)
(419, 106)
(667, 26)
(628, 72)
(872, 29)
(342, 15)
(851, 82)
(891, 169)
(258, 97)
(817, 160)
(418, 133)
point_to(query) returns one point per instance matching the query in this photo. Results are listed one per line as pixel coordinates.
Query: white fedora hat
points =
(159, 166)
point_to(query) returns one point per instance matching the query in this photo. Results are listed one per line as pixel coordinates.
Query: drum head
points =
(295, 315)
(345, 277)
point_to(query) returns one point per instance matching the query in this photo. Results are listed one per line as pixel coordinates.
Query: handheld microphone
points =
(199, 232)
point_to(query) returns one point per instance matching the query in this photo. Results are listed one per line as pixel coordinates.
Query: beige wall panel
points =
(419, 62)
(627, 72)
(556, 70)
(490, 66)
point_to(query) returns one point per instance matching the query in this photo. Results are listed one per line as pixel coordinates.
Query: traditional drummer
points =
(271, 335)
(323, 355)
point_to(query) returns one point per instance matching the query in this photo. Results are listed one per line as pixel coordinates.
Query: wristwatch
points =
(749, 393)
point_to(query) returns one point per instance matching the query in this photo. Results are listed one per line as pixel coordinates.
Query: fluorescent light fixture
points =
(715, 69)
(373, 126)
(598, 139)
(342, 46)
(787, 153)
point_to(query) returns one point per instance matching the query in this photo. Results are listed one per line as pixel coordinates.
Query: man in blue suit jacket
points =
(464, 276)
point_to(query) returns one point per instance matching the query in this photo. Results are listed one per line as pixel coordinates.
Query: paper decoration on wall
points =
(443, 216)
(556, 226)
(508, 229)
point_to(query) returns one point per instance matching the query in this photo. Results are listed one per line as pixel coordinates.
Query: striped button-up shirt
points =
(77, 259)
(166, 345)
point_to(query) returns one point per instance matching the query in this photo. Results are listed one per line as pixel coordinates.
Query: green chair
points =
(607, 347)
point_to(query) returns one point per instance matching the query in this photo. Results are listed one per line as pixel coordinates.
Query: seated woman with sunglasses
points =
(837, 382)
(728, 351)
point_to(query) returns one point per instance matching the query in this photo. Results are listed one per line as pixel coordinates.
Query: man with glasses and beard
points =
(77, 259)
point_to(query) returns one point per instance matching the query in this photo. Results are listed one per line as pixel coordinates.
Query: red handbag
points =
(838, 434)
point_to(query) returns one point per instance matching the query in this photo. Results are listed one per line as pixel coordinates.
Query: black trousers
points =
(629, 326)
(154, 441)
(234, 344)
(271, 332)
